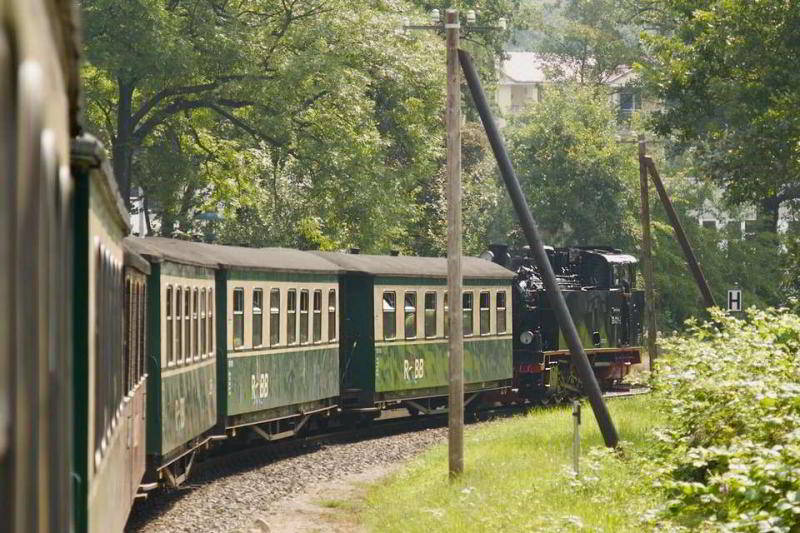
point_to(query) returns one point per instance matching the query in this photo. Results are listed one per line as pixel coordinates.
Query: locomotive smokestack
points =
(500, 254)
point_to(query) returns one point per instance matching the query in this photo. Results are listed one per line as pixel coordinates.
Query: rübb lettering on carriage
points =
(413, 369)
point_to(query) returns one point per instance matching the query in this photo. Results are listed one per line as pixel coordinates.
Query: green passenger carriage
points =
(182, 387)
(394, 340)
(278, 345)
(109, 431)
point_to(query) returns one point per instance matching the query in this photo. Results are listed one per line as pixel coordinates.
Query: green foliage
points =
(728, 260)
(588, 41)
(518, 477)
(284, 116)
(581, 183)
(727, 73)
(730, 457)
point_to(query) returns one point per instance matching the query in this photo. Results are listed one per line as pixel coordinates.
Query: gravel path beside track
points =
(230, 497)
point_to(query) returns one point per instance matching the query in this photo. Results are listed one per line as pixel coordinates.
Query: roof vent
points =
(355, 251)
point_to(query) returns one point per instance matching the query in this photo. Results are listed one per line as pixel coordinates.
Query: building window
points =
(710, 224)
(331, 315)
(430, 314)
(274, 317)
(303, 317)
(238, 317)
(467, 307)
(169, 338)
(317, 320)
(178, 324)
(389, 315)
(258, 320)
(629, 103)
(485, 312)
(291, 316)
(410, 315)
(501, 312)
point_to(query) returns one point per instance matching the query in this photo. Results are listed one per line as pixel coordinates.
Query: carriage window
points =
(501, 312)
(303, 317)
(467, 303)
(187, 323)
(211, 322)
(196, 325)
(485, 312)
(410, 315)
(169, 325)
(389, 315)
(430, 314)
(178, 324)
(203, 327)
(258, 320)
(238, 317)
(142, 328)
(446, 316)
(127, 346)
(291, 316)
(274, 317)
(317, 320)
(331, 315)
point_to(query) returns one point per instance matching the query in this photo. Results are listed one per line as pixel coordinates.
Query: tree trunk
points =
(123, 147)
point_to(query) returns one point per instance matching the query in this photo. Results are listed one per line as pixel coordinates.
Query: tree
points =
(581, 183)
(220, 105)
(727, 74)
(588, 41)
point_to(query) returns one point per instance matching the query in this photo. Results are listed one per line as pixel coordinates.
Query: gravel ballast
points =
(230, 497)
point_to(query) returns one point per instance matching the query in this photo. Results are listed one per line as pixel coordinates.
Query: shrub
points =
(730, 456)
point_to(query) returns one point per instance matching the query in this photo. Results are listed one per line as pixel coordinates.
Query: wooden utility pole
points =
(691, 259)
(647, 256)
(454, 281)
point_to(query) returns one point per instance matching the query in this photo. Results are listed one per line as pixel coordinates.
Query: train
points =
(124, 358)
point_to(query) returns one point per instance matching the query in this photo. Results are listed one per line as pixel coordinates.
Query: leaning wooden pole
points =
(579, 358)
(454, 281)
(691, 259)
(647, 256)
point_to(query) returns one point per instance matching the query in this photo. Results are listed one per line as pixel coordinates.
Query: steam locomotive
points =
(598, 285)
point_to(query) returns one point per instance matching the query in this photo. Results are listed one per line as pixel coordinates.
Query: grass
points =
(518, 478)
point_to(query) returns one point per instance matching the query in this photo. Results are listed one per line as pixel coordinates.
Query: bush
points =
(730, 458)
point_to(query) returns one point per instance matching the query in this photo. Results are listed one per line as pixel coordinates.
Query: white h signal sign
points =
(735, 300)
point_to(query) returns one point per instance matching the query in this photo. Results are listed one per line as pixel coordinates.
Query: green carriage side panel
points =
(403, 366)
(80, 347)
(153, 438)
(356, 332)
(220, 335)
(180, 270)
(439, 282)
(266, 380)
(259, 275)
(188, 404)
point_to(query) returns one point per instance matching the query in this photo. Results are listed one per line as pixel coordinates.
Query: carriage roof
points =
(413, 266)
(231, 257)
